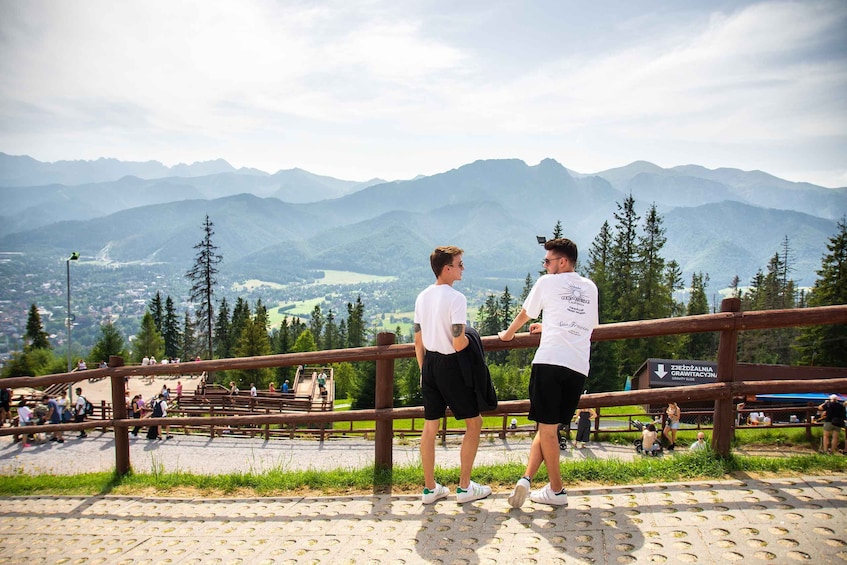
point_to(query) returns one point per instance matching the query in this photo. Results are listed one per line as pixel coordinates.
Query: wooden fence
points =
(728, 323)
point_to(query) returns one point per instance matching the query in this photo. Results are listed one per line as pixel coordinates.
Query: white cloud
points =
(376, 89)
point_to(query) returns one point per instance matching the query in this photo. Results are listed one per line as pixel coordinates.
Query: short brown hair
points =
(443, 256)
(564, 247)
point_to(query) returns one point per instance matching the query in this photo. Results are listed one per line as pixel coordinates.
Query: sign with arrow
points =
(669, 372)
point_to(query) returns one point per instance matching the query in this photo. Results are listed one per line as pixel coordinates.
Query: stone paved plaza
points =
(780, 521)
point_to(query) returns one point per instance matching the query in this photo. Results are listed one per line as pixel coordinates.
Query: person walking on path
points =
(439, 328)
(560, 365)
(79, 410)
(833, 421)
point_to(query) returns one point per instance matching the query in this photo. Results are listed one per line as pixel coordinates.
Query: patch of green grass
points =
(701, 465)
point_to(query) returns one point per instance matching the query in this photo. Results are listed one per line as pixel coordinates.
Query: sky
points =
(362, 89)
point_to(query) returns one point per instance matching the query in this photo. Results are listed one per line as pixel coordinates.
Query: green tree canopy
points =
(35, 337)
(148, 342)
(111, 342)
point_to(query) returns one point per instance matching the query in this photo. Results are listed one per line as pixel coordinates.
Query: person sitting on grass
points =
(700, 443)
(649, 440)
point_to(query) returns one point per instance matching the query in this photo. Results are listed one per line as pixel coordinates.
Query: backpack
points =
(89, 408)
(157, 409)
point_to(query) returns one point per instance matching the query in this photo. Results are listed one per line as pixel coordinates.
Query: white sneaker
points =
(439, 492)
(518, 496)
(473, 492)
(546, 495)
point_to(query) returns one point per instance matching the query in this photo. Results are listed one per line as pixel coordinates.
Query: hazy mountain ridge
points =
(492, 208)
(691, 185)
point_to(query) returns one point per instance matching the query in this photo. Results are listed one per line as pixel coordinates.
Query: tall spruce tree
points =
(35, 336)
(171, 331)
(189, 337)
(330, 340)
(223, 338)
(240, 315)
(111, 342)
(316, 325)
(623, 267)
(827, 345)
(203, 277)
(603, 374)
(157, 310)
(702, 346)
(767, 292)
(254, 341)
(356, 330)
(148, 341)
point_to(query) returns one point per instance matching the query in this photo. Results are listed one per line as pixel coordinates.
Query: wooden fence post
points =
(727, 357)
(119, 413)
(384, 435)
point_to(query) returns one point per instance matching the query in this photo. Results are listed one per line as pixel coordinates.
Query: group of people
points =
(51, 409)
(155, 407)
(559, 369)
(285, 388)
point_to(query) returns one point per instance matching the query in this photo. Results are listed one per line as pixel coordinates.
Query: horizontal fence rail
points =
(728, 323)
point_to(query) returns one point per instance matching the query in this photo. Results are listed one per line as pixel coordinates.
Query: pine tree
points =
(356, 323)
(767, 292)
(827, 345)
(111, 342)
(35, 337)
(189, 338)
(240, 315)
(330, 340)
(622, 268)
(488, 317)
(171, 332)
(316, 325)
(203, 281)
(527, 286)
(148, 342)
(254, 341)
(506, 308)
(157, 311)
(223, 339)
(701, 346)
(603, 374)
(305, 342)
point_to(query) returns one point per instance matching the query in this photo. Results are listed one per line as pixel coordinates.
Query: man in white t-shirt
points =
(560, 365)
(439, 327)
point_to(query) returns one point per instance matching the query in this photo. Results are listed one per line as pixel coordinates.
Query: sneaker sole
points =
(550, 503)
(518, 496)
(436, 499)
(460, 501)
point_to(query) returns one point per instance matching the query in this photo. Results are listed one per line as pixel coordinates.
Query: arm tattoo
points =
(458, 329)
(417, 328)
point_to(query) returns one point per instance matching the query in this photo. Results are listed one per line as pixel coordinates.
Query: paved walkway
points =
(786, 520)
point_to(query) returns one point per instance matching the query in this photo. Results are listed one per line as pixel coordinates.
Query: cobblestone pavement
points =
(781, 521)
(796, 520)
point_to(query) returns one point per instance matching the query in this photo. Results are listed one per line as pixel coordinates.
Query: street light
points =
(74, 256)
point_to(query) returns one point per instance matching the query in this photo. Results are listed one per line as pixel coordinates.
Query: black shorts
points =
(442, 385)
(554, 393)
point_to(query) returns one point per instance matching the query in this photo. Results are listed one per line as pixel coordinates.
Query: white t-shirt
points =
(569, 303)
(437, 308)
(24, 415)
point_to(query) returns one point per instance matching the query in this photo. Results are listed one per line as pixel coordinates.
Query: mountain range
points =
(277, 227)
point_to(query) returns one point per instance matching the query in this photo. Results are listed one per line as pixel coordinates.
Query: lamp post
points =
(74, 256)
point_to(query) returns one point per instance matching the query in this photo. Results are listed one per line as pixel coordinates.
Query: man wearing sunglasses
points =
(439, 326)
(560, 365)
